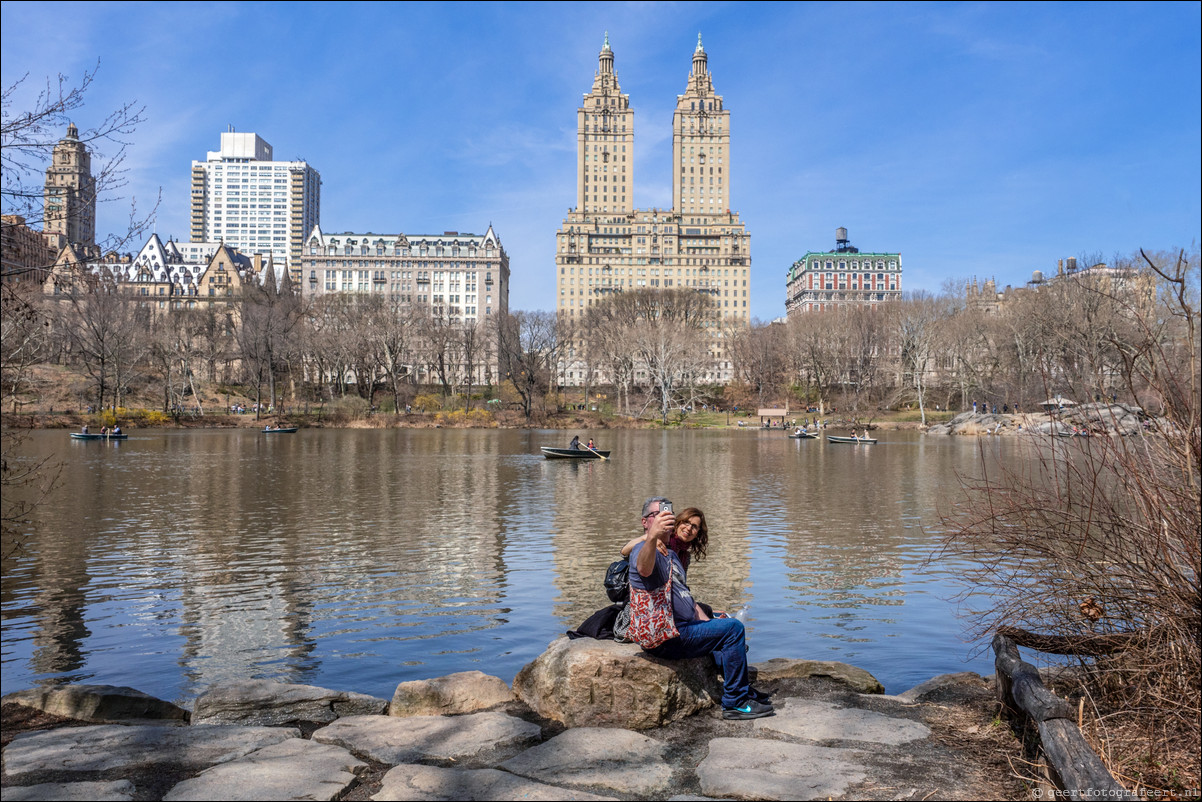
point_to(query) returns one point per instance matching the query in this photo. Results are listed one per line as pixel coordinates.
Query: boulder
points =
(963, 686)
(97, 703)
(267, 702)
(465, 692)
(586, 682)
(789, 668)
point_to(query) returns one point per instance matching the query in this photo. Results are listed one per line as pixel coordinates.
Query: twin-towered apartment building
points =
(607, 245)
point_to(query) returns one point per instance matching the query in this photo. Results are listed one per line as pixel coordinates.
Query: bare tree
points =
(917, 319)
(529, 345)
(271, 312)
(1093, 550)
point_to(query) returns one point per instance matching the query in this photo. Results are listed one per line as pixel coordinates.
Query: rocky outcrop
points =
(292, 769)
(788, 668)
(464, 692)
(588, 682)
(266, 702)
(963, 686)
(1096, 418)
(97, 703)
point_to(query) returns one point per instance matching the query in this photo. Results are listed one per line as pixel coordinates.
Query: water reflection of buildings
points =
(414, 560)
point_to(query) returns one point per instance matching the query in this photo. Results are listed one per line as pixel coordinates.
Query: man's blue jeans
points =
(724, 639)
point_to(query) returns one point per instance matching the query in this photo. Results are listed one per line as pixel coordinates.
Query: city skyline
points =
(976, 140)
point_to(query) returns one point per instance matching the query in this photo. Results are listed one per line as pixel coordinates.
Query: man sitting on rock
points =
(685, 630)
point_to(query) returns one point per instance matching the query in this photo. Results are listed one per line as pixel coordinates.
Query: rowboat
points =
(281, 430)
(1063, 433)
(97, 436)
(572, 453)
(865, 440)
(804, 436)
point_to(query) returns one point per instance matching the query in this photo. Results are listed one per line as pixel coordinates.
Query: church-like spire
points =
(606, 59)
(699, 58)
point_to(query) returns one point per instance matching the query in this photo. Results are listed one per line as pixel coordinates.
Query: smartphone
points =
(665, 506)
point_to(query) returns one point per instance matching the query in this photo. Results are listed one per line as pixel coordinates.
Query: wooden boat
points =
(281, 430)
(803, 436)
(1063, 433)
(97, 436)
(865, 440)
(572, 453)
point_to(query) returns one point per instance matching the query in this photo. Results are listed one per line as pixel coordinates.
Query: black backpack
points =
(617, 581)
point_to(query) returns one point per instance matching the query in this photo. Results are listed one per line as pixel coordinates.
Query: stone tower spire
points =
(700, 144)
(69, 197)
(605, 143)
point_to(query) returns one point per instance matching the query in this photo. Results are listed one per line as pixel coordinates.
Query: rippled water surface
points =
(357, 559)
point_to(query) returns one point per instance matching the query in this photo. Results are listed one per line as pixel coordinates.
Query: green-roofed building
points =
(844, 276)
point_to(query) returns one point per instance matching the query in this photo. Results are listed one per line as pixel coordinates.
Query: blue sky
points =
(983, 140)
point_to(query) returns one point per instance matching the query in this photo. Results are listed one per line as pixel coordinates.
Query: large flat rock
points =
(617, 760)
(116, 791)
(405, 740)
(588, 682)
(292, 769)
(753, 768)
(789, 668)
(464, 692)
(824, 721)
(262, 701)
(110, 746)
(97, 703)
(433, 783)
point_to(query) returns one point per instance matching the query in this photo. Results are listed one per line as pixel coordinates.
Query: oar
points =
(595, 451)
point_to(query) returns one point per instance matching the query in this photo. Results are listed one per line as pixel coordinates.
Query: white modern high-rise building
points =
(242, 197)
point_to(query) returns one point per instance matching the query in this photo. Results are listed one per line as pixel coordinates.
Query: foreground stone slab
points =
(292, 769)
(588, 682)
(787, 668)
(97, 703)
(824, 721)
(432, 783)
(406, 740)
(111, 746)
(752, 768)
(262, 701)
(618, 760)
(118, 791)
(464, 692)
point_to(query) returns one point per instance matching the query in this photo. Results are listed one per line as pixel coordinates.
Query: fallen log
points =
(1082, 645)
(1072, 765)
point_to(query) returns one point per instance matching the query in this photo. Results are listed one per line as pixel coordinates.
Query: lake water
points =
(357, 559)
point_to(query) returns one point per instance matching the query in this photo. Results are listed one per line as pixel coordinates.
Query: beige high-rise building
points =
(70, 194)
(607, 245)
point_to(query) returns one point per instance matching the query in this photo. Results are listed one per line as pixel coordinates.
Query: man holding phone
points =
(699, 635)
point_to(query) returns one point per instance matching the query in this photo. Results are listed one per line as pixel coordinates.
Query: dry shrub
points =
(1097, 540)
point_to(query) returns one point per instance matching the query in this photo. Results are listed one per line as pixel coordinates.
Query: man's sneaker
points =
(749, 709)
(760, 696)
